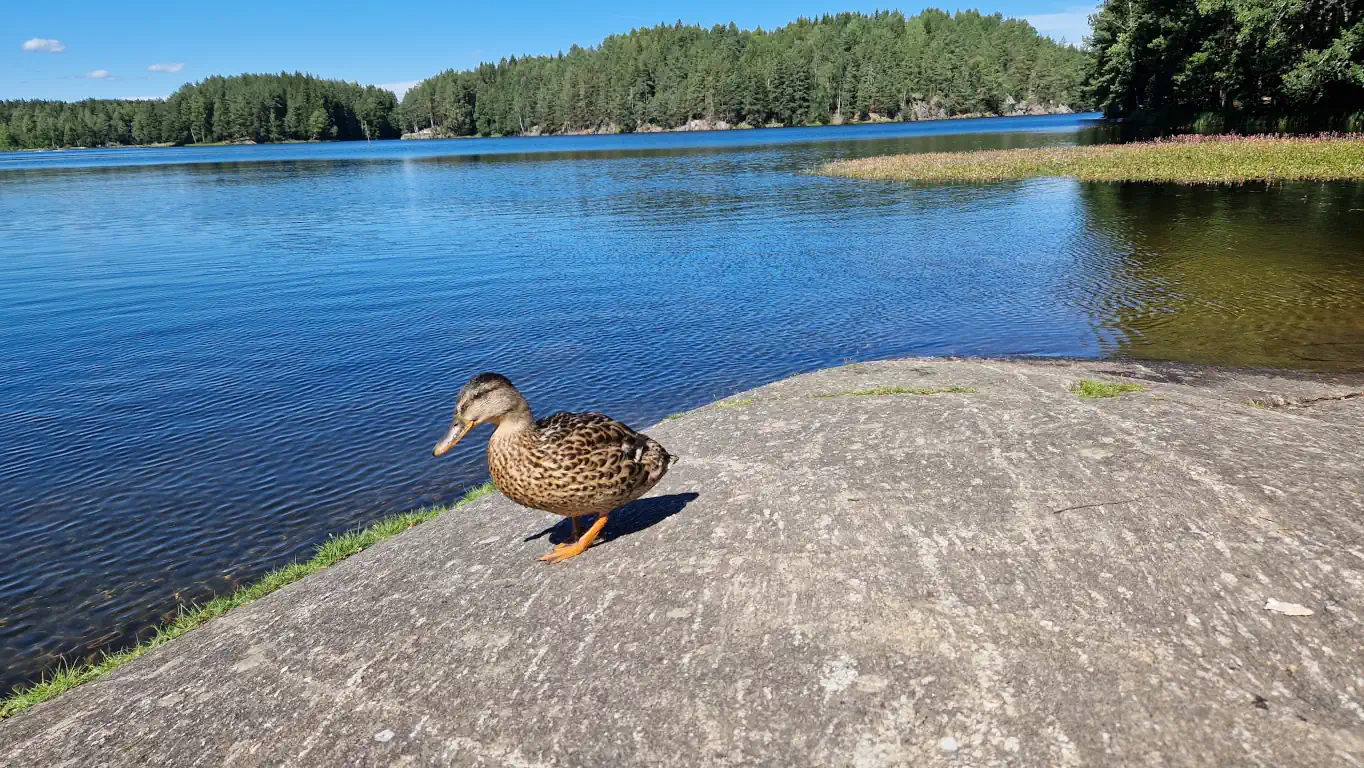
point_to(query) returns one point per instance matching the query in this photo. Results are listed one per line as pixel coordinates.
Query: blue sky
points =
(76, 49)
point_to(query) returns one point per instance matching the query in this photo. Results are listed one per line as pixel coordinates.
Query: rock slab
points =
(1014, 576)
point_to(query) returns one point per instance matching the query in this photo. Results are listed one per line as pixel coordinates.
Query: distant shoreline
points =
(171, 145)
(705, 126)
(686, 128)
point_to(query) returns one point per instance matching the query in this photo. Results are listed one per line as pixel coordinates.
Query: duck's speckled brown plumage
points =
(572, 464)
(575, 464)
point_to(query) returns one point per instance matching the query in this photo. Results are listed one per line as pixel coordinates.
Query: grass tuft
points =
(674, 416)
(1180, 160)
(735, 403)
(877, 391)
(332, 551)
(1094, 388)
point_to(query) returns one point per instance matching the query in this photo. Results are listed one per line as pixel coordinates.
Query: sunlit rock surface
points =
(1013, 576)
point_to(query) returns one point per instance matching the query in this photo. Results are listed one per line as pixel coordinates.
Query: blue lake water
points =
(211, 358)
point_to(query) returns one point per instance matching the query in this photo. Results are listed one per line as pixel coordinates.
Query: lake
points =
(211, 358)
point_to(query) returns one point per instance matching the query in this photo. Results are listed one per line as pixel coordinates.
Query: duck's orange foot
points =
(574, 548)
(563, 551)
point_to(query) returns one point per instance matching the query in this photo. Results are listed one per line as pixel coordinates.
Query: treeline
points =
(835, 69)
(260, 108)
(1251, 64)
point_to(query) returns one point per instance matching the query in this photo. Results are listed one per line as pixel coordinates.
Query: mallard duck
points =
(570, 464)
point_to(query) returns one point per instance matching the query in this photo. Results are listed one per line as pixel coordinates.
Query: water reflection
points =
(1267, 276)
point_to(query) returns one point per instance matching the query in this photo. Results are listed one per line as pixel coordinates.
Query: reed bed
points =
(1180, 160)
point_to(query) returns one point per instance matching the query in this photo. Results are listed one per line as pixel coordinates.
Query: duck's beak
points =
(457, 432)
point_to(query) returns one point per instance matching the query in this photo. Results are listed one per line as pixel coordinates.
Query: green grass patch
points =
(1096, 388)
(330, 552)
(735, 403)
(1178, 160)
(877, 391)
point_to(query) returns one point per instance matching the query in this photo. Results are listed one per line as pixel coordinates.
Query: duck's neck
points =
(515, 424)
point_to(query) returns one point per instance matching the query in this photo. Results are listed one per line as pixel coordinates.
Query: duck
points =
(577, 465)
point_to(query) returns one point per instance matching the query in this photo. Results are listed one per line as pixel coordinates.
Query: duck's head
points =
(486, 398)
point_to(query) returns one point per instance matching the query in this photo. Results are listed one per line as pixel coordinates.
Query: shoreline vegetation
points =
(697, 126)
(243, 109)
(701, 125)
(335, 549)
(1194, 159)
(1255, 66)
(694, 126)
(834, 69)
(170, 145)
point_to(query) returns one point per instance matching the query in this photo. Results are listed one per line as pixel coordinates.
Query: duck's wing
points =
(601, 457)
(575, 427)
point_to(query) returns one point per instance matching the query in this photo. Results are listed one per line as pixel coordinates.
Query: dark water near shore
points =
(210, 358)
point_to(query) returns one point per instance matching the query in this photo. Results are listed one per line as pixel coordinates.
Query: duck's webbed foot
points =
(579, 544)
(577, 533)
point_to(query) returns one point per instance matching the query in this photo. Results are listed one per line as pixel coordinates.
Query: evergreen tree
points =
(1278, 62)
(320, 124)
(839, 67)
(254, 107)
(834, 68)
(198, 118)
(222, 124)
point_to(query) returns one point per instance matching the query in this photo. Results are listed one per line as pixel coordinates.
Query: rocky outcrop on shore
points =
(1021, 108)
(912, 562)
(426, 133)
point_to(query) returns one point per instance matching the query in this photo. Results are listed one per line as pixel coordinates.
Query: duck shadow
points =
(631, 518)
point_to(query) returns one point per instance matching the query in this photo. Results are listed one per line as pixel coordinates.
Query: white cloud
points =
(98, 74)
(1071, 25)
(171, 67)
(399, 88)
(42, 44)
